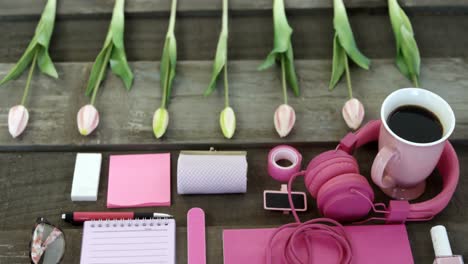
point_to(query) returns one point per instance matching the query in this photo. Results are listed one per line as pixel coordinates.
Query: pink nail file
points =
(196, 243)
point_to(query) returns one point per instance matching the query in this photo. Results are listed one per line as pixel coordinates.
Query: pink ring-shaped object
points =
(283, 152)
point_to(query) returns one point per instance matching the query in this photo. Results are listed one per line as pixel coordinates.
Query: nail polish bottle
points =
(442, 248)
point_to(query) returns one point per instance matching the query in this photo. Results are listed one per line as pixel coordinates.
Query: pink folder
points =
(373, 244)
(139, 180)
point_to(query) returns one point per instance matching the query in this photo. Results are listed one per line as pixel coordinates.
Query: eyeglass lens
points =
(48, 244)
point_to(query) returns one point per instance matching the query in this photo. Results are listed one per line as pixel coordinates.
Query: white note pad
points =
(86, 177)
(128, 241)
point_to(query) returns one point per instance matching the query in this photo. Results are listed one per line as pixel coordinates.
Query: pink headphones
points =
(343, 194)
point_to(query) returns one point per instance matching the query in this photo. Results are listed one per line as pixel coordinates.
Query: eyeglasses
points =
(47, 244)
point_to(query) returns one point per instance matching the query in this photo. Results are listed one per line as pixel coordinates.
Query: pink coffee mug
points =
(401, 166)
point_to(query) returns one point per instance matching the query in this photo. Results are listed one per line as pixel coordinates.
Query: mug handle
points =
(381, 162)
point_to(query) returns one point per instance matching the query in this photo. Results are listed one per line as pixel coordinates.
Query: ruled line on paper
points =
(136, 256)
(122, 237)
(118, 250)
(126, 231)
(153, 262)
(124, 243)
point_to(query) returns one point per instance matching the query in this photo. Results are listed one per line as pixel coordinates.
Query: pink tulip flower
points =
(87, 119)
(284, 119)
(18, 117)
(353, 113)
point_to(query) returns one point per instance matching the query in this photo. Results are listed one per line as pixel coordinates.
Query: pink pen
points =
(442, 248)
(81, 217)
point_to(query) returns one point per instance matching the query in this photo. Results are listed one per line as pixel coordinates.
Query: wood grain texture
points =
(126, 118)
(38, 185)
(23, 8)
(439, 34)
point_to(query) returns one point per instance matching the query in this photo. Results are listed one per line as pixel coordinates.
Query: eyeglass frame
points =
(43, 220)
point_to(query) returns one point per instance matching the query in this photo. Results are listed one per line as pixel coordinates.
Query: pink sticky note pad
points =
(382, 244)
(139, 180)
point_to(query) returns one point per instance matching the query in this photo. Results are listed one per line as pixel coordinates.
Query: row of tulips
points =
(113, 55)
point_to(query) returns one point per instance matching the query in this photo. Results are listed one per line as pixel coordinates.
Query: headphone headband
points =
(368, 133)
(449, 170)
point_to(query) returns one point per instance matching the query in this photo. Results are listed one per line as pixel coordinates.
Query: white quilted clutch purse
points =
(210, 172)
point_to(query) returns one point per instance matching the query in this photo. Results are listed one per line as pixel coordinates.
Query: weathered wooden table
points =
(36, 170)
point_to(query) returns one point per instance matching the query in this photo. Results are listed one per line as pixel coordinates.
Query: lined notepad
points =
(147, 241)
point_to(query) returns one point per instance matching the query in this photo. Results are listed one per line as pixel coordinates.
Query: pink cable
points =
(308, 230)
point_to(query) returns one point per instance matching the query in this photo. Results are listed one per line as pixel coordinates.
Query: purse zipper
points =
(212, 151)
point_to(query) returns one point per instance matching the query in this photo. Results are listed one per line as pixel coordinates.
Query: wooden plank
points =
(126, 118)
(439, 34)
(9, 8)
(38, 184)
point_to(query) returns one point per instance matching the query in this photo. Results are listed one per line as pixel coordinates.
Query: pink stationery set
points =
(139, 180)
(333, 178)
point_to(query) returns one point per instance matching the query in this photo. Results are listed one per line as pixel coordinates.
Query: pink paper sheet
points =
(139, 180)
(374, 244)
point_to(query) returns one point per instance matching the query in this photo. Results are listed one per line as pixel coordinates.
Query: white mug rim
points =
(441, 140)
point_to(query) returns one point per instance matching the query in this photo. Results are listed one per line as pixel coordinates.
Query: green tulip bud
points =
(227, 121)
(160, 122)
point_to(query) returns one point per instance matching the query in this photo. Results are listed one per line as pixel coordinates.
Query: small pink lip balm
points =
(442, 248)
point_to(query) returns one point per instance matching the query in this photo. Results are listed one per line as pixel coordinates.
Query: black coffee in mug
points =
(416, 124)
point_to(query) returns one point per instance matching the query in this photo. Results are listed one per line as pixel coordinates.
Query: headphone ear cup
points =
(326, 167)
(346, 198)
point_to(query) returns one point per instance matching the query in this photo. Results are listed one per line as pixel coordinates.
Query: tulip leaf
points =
(282, 48)
(39, 44)
(221, 52)
(401, 64)
(290, 71)
(219, 62)
(345, 35)
(269, 61)
(117, 25)
(407, 53)
(118, 60)
(169, 58)
(21, 65)
(45, 26)
(112, 53)
(45, 63)
(120, 67)
(344, 46)
(168, 64)
(282, 35)
(100, 63)
(410, 52)
(338, 67)
(282, 30)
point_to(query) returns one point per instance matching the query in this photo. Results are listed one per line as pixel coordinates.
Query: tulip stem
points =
(101, 74)
(348, 76)
(166, 84)
(226, 87)
(28, 81)
(283, 78)
(172, 17)
(415, 81)
(170, 32)
(225, 30)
